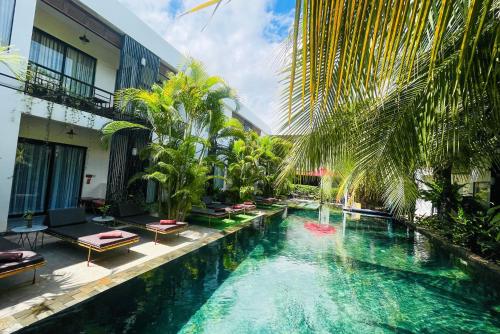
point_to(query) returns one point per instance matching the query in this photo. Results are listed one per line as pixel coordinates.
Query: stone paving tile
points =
(61, 302)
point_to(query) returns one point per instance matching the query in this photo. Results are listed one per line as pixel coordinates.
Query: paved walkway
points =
(66, 280)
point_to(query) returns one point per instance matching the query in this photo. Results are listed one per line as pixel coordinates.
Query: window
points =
(46, 176)
(6, 18)
(61, 62)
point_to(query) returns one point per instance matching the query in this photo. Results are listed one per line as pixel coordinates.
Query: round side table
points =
(103, 220)
(24, 233)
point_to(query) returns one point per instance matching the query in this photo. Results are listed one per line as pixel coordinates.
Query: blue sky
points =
(283, 6)
(242, 43)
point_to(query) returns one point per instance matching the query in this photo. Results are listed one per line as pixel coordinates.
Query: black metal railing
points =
(47, 84)
(44, 83)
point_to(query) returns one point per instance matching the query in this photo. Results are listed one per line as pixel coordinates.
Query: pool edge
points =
(37, 312)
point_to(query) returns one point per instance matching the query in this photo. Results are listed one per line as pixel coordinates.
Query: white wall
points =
(10, 113)
(97, 158)
(119, 16)
(108, 56)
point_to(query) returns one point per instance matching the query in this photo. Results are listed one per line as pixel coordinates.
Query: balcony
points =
(50, 85)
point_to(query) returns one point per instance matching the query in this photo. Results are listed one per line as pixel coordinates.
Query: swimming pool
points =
(362, 276)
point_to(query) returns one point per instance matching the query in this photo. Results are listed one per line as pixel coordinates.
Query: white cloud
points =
(241, 42)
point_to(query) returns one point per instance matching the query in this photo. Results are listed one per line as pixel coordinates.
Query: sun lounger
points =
(265, 201)
(133, 214)
(28, 261)
(213, 213)
(72, 226)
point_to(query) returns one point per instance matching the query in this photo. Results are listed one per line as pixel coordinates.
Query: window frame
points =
(65, 46)
(11, 23)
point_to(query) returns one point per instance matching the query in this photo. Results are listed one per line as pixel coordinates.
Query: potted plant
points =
(28, 218)
(104, 210)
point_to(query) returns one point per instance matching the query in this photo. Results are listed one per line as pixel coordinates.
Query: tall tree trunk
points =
(445, 204)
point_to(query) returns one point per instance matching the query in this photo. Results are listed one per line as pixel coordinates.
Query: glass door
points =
(46, 176)
(29, 186)
(67, 175)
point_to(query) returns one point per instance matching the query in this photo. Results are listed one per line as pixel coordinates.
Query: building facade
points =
(78, 52)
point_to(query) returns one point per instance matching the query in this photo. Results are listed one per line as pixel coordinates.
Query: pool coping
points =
(35, 313)
(466, 256)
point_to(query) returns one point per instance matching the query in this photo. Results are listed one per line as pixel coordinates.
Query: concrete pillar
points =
(12, 105)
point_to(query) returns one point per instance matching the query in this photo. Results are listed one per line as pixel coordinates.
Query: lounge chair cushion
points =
(10, 257)
(65, 217)
(89, 234)
(110, 235)
(170, 227)
(207, 212)
(168, 222)
(28, 258)
(128, 209)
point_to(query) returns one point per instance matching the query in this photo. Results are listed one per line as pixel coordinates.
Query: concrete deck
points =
(66, 280)
(66, 271)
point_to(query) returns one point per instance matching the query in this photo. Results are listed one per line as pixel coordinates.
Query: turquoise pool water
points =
(369, 276)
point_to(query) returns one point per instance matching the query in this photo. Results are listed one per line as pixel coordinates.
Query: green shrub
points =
(304, 190)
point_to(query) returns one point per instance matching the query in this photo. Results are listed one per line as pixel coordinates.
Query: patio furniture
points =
(130, 213)
(28, 261)
(210, 213)
(103, 220)
(91, 204)
(265, 200)
(72, 226)
(25, 231)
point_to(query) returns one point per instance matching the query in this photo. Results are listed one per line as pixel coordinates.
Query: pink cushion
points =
(237, 206)
(6, 257)
(248, 203)
(168, 222)
(110, 235)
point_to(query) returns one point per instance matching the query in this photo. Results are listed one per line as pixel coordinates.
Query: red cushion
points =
(237, 206)
(110, 235)
(248, 203)
(6, 257)
(168, 222)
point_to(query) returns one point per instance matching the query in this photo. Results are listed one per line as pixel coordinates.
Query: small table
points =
(105, 219)
(24, 232)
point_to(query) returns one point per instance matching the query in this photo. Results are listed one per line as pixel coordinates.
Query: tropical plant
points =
(442, 198)
(244, 169)
(381, 89)
(11, 59)
(176, 113)
(221, 134)
(382, 100)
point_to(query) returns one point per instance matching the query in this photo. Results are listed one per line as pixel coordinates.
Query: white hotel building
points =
(79, 53)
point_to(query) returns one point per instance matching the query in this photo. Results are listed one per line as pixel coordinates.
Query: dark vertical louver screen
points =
(139, 69)
(138, 66)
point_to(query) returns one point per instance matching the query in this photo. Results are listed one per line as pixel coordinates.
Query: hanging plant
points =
(28, 104)
(50, 110)
(91, 121)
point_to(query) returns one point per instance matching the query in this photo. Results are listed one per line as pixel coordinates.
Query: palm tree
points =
(10, 58)
(378, 90)
(399, 101)
(176, 112)
(220, 136)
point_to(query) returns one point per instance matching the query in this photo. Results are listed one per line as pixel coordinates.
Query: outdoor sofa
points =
(15, 260)
(130, 213)
(71, 225)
